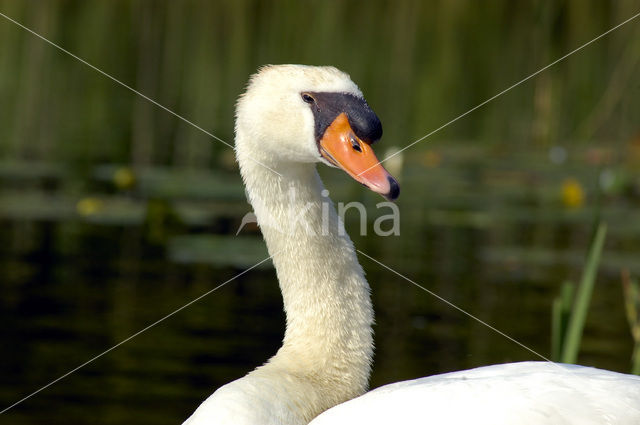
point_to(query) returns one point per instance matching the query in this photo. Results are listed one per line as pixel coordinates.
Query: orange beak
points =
(341, 147)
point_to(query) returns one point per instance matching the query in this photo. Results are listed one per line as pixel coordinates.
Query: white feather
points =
(528, 393)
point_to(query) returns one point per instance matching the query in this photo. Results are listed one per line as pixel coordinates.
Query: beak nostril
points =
(355, 144)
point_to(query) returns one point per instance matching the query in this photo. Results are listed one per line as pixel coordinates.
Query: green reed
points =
(570, 308)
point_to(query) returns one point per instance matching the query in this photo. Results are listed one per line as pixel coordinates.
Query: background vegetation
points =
(114, 212)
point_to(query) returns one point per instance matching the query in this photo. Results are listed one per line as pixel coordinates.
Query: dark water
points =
(72, 289)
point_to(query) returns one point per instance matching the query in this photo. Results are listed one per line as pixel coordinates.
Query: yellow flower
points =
(572, 193)
(88, 206)
(124, 178)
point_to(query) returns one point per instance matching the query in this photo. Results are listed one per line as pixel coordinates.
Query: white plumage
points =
(527, 393)
(327, 348)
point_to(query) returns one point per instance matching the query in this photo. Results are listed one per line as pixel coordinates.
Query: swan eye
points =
(355, 145)
(308, 98)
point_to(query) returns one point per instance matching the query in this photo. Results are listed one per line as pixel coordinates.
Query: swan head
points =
(308, 114)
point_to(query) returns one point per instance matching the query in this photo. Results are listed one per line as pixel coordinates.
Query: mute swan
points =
(290, 118)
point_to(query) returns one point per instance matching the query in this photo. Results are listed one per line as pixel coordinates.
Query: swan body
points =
(527, 393)
(290, 118)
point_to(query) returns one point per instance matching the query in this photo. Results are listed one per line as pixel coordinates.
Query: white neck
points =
(328, 345)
